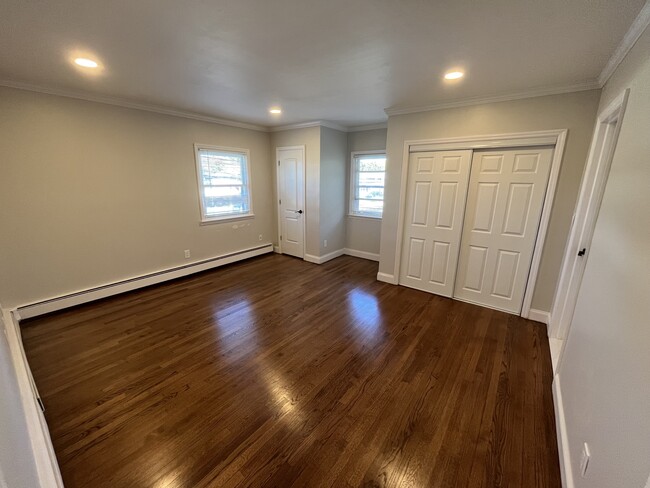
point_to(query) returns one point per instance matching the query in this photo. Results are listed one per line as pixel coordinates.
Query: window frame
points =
(199, 180)
(353, 184)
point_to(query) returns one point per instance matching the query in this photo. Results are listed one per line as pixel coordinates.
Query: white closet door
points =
(435, 202)
(291, 184)
(504, 207)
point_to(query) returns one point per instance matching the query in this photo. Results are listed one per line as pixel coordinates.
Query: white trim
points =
(518, 139)
(362, 254)
(556, 163)
(47, 467)
(227, 218)
(466, 102)
(562, 436)
(386, 278)
(539, 316)
(543, 138)
(361, 128)
(135, 282)
(276, 249)
(556, 346)
(303, 149)
(121, 102)
(305, 125)
(637, 28)
(325, 257)
(247, 182)
(329, 125)
(363, 216)
(592, 188)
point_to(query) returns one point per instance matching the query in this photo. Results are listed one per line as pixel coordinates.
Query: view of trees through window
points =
(224, 183)
(368, 179)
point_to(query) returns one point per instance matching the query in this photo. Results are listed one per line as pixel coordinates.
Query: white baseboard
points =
(539, 316)
(46, 465)
(133, 283)
(362, 254)
(387, 278)
(562, 440)
(325, 257)
(556, 346)
(276, 249)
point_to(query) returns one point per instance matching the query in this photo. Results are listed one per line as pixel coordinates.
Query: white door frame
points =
(555, 138)
(592, 189)
(277, 190)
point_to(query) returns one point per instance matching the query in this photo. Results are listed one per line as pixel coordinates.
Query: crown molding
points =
(121, 102)
(332, 125)
(361, 128)
(466, 102)
(305, 125)
(302, 125)
(631, 36)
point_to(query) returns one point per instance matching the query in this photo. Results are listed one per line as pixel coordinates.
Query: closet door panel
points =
(435, 204)
(504, 207)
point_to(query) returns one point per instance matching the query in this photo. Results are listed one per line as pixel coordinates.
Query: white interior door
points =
(291, 200)
(504, 207)
(435, 202)
(592, 189)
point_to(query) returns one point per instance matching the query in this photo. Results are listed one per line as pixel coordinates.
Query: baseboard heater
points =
(83, 296)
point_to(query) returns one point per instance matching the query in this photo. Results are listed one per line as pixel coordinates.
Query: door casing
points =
(592, 189)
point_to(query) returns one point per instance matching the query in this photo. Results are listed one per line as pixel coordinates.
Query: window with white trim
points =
(367, 184)
(224, 182)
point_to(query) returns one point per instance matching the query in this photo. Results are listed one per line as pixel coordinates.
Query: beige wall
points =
(92, 193)
(310, 138)
(605, 371)
(363, 234)
(333, 167)
(574, 111)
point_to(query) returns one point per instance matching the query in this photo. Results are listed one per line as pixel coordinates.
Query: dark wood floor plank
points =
(275, 372)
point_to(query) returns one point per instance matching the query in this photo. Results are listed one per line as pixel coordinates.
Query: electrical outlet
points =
(325, 243)
(187, 253)
(259, 238)
(584, 461)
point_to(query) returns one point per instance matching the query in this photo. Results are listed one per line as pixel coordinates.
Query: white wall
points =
(362, 233)
(333, 169)
(17, 466)
(310, 138)
(573, 111)
(605, 370)
(93, 193)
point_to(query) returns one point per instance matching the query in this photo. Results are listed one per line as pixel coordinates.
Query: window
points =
(367, 184)
(224, 183)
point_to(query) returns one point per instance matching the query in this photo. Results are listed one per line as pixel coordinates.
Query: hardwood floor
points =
(279, 373)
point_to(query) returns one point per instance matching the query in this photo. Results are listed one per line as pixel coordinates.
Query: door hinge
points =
(280, 237)
(280, 201)
(278, 163)
(582, 252)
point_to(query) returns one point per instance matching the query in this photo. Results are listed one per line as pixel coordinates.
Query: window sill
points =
(361, 216)
(227, 218)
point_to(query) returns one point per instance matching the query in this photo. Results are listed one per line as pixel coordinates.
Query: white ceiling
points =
(338, 60)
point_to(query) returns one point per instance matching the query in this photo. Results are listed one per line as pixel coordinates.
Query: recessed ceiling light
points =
(86, 63)
(454, 75)
(275, 111)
